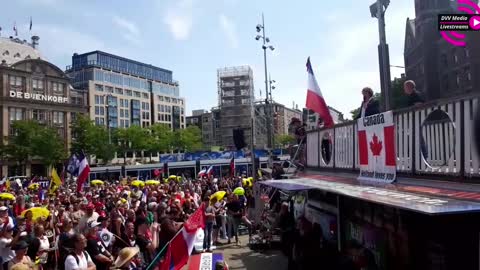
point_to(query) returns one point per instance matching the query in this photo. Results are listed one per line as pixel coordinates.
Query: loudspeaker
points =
(239, 139)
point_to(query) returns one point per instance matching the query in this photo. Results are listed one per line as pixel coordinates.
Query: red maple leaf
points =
(376, 145)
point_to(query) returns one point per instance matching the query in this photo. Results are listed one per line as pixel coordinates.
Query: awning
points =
(422, 203)
(283, 185)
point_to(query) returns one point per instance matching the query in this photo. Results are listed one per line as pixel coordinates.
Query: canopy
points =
(288, 186)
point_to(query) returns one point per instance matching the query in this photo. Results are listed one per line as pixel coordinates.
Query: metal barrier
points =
(434, 139)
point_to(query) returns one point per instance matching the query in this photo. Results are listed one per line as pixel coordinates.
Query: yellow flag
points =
(7, 184)
(55, 182)
(55, 178)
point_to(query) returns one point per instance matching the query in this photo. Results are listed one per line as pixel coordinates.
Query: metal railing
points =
(434, 139)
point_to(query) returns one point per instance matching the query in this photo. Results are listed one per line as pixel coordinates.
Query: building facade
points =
(440, 70)
(236, 99)
(124, 92)
(313, 120)
(34, 89)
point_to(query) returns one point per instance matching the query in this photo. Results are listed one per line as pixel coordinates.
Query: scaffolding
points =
(235, 97)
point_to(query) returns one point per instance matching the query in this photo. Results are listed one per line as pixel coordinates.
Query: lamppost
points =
(107, 106)
(272, 107)
(377, 10)
(265, 46)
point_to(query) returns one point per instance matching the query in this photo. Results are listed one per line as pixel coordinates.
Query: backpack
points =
(76, 257)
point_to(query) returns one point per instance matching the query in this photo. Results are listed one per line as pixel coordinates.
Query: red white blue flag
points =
(206, 261)
(315, 100)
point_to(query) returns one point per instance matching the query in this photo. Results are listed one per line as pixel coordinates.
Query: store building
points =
(34, 89)
(124, 92)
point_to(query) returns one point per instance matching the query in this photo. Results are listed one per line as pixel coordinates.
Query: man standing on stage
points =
(300, 135)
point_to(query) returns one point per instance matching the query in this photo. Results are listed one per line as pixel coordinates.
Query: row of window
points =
(37, 85)
(109, 89)
(16, 114)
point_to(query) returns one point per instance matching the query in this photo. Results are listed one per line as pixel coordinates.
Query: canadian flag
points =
(376, 147)
(315, 100)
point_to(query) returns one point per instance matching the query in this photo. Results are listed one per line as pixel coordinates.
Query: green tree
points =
(284, 139)
(161, 138)
(91, 139)
(19, 148)
(133, 138)
(48, 146)
(188, 139)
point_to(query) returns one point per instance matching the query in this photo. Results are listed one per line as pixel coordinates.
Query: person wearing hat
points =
(90, 215)
(20, 249)
(5, 220)
(100, 255)
(125, 259)
(6, 242)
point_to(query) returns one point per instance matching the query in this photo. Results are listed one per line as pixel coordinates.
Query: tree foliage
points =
(34, 140)
(188, 139)
(92, 139)
(284, 139)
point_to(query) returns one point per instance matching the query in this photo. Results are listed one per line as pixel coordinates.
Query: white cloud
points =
(129, 29)
(228, 28)
(179, 19)
(52, 35)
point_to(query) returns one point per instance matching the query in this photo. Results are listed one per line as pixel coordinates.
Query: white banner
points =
(376, 148)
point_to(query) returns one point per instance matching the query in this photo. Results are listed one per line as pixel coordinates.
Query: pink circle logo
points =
(467, 7)
(474, 22)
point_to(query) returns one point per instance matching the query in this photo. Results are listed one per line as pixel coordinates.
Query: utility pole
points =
(378, 10)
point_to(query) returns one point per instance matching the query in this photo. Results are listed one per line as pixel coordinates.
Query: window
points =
(97, 110)
(99, 87)
(99, 121)
(160, 98)
(58, 118)
(122, 123)
(39, 115)
(16, 114)
(162, 117)
(58, 89)
(136, 93)
(127, 114)
(108, 89)
(144, 95)
(128, 92)
(468, 74)
(121, 113)
(119, 91)
(99, 100)
(181, 111)
(167, 99)
(168, 109)
(37, 86)
(174, 100)
(16, 81)
(181, 101)
(127, 123)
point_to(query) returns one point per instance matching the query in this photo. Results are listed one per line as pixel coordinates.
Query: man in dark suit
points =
(370, 105)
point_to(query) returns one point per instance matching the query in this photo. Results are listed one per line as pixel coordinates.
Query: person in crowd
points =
(144, 241)
(370, 105)
(126, 259)
(235, 213)
(90, 215)
(40, 245)
(6, 242)
(79, 259)
(20, 249)
(95, 248)
(414, 98)
(209, 221)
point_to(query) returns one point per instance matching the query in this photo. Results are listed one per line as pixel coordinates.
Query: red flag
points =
(166, 262)
(315, 100)
(196, 220)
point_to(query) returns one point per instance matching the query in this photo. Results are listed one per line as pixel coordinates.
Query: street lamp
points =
(107, 106)
(377, 10)
(265, 46)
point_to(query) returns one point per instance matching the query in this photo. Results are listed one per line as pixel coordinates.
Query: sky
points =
(194, 38)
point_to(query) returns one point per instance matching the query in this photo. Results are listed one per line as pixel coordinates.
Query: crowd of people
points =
(113, 224)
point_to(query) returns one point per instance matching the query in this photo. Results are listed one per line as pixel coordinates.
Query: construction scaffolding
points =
(236, 102)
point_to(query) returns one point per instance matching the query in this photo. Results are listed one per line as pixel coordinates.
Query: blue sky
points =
(195, 37)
